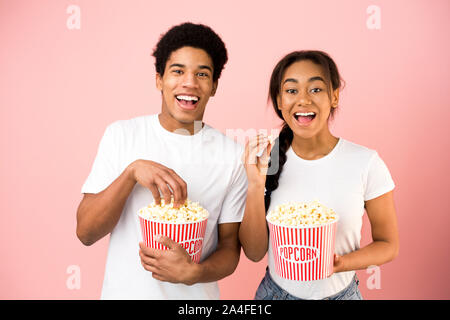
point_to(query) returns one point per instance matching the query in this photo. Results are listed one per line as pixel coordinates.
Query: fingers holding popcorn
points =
(256, 157)
(160, 180)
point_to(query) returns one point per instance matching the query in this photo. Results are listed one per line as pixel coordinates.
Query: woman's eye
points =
(292, 91)
(315, 90)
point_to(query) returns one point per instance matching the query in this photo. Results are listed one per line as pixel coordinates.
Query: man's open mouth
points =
(187, 101)
(304, 118)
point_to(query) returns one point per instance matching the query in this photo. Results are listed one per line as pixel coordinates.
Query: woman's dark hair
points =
(191, 35)
(284, 140)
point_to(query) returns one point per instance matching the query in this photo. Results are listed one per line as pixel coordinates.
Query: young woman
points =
(312, 164)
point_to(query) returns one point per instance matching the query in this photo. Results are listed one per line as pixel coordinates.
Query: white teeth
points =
(187, 98)
(305, 114)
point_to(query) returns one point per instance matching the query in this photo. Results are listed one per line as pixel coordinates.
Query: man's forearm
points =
(99, 213)
(218, 265)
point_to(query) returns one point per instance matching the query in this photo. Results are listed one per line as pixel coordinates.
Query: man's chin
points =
(179, 118)
(187, 119)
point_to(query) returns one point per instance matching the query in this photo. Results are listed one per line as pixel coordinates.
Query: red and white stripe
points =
(179, 232)
(321, 238)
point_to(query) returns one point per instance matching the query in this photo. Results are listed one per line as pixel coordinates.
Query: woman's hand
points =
(256, 159)
(338, 265)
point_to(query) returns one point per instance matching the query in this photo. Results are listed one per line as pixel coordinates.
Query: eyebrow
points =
(205, 67)
(309, 80)
(182, 66)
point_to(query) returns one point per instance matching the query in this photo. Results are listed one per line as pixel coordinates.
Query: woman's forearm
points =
(376, 253)
(253, 233)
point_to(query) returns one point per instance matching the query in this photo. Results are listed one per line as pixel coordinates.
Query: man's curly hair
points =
(191, 35)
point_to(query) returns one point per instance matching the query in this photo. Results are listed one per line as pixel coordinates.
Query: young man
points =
(160, 156)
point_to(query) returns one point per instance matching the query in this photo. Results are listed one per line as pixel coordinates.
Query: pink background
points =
(60, 88)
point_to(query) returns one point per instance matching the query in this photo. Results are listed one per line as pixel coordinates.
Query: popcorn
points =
(302, 237)
(185, 225)
(271, 141)
(188, 212)
(301, 214)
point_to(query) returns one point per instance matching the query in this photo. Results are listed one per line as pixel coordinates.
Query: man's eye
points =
(177, 71)
(202, 74)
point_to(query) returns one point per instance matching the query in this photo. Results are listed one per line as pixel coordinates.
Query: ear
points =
(214, 88)
(335, 98)
(158, 82)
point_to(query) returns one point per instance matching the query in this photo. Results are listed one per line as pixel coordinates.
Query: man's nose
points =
(190, 80)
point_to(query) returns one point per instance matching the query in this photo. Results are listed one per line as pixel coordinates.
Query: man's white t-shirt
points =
(210, 164)
(342, 180)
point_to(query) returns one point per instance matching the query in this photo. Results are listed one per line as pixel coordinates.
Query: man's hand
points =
(156, 177)
(174, 265)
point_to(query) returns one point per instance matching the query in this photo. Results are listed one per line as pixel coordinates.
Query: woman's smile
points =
(304, 119)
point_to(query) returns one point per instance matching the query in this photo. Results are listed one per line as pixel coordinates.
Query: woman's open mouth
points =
(187, 102)
(304, 118)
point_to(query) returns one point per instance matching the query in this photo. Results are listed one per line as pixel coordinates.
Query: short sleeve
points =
(233, 205)
(379, 180)
(105, 168)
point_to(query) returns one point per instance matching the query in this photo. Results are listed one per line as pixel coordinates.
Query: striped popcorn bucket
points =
(303, 253)
(190, 235)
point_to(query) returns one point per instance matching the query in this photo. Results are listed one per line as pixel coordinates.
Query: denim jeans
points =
(269, 290)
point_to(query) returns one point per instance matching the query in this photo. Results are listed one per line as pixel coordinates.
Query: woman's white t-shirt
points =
(208, 161)
(342, 180)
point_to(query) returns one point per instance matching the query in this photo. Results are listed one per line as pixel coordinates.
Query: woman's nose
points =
(304, 98)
